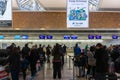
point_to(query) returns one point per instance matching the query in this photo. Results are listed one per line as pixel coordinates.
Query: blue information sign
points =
(17, 37)
(49, 37)
(74, 37)
(41, 36)
(90, 36)
(66, 36)
(114, 37)
(98, 36)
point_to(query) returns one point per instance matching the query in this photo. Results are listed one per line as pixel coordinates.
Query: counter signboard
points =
(77, 14)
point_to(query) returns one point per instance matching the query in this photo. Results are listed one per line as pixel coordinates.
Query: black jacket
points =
(14, 61)
(101, 60)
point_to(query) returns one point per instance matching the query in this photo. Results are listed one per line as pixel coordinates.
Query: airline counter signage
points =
(98, 37)
(90, 36)
(115, 37)
(2, 37)
(5, 13)
(25, 36)
(17, 37)
(66, 36)
(77, 14)
(74, 37)
(41, 36)
(49, 37)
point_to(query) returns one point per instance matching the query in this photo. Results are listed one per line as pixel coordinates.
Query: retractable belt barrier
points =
(72, 67)
(70, 58)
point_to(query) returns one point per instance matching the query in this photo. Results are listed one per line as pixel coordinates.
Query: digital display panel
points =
(49, 37)
(74, 37)
(90, 36)
(17, 37)
(41, 36)
(114, 37)
(98, 36)
(2, 37)
(25, 36)
(66, 36)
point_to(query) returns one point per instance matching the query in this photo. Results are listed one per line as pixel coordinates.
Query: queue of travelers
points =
(29, 58)
(98, 60)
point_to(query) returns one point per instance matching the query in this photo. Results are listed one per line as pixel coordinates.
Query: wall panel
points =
(57, 20)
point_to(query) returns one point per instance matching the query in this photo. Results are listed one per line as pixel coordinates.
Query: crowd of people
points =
(20, 60)
(99, 61)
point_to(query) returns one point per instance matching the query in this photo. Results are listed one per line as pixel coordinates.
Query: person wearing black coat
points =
(14, 63)
(57, 62)
(34, 56)
(101, 62)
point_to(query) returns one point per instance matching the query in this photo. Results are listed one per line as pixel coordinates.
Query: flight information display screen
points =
(98, 36)
(25, 36)
(41, 36)
(74, 37)
(1, 37)
(49, 37)
(90, 36)
(17, 37)
(114, 37)
(66, 36)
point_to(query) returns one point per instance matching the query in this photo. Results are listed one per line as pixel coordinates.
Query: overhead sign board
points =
(77, 14)
(5, 13)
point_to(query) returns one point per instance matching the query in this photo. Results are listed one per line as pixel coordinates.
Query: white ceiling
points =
(14, 5)
(53, 4)
(50, 5)
(112, 5)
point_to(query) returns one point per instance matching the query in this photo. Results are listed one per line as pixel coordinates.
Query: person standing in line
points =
(14, 63)
(25, 51)
(64, 53)
(62, 57)
(101, 57)
(48, 52)
(77, 52)
(41, 55)
(56, 53)
(24, 65)
(91, 61)
(33, 60)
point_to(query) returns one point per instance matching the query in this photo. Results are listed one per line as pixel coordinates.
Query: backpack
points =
(91, 60)
(80, 61)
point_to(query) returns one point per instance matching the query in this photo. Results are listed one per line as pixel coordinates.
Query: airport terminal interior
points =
(86, 23)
